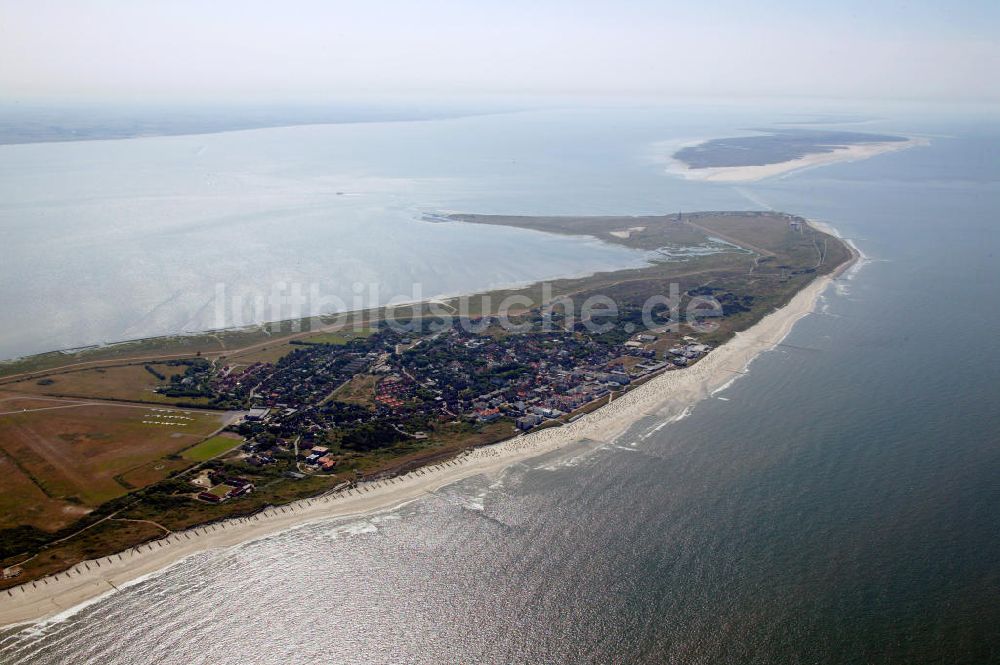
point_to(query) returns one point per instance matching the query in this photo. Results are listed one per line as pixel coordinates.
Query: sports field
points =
(212, 447)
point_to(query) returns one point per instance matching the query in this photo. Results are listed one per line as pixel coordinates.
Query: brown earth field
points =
(68, 458)
(359, 390)
(15, 403)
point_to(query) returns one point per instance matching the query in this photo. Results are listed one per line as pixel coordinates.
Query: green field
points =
(210, 448)
(130, 382)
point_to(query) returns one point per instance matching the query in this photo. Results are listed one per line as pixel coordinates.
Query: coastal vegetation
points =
(773, 147)
(113, 439)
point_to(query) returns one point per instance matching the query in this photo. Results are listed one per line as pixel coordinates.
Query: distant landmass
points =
(37, 124)
(774, 152)
(774, 147)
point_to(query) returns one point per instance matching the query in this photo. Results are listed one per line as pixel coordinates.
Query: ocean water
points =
(838, 504)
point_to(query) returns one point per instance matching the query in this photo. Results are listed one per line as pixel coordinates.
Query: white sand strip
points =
(753, 173)
(668, 395)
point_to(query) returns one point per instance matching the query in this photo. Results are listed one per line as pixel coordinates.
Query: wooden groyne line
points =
(92, 566)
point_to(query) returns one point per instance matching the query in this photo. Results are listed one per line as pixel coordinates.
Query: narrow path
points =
(123, 404)
(156, 524)
(42, 408)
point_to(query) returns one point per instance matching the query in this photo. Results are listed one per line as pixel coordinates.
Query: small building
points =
(240, 491)
(257, 413)
(488, 415)
(209, 497)
(529, 421)
(621, 378)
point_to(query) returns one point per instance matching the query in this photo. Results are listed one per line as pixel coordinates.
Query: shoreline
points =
(737, 174)
(668, 395)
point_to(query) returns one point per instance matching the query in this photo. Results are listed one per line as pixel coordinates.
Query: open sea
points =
(838, 504)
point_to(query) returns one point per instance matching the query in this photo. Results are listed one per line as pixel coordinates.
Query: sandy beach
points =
(753, 173)
(667, 395)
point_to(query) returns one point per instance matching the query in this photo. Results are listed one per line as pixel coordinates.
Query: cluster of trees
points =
(193, 382)
(731, 303)
(371, 436)
(734, 304)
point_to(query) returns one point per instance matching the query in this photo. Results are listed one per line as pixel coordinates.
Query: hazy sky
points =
(308, 50)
